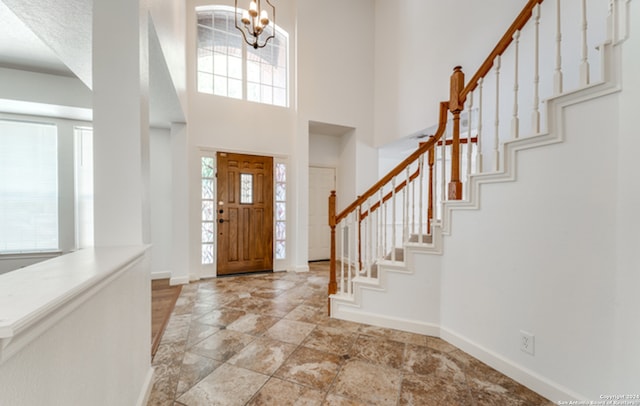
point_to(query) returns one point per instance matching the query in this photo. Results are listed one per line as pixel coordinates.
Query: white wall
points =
(417, 44)
(43, 88)
(537, 257)
(169, 19)
(161, 201)
(93, 347)
(324, 150)
(626, 370)
(335, 65)
(335, 84)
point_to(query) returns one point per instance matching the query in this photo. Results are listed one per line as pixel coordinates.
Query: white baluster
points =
(584, 65)
(357, 242)
(370, 238)
(434, 200)
(420, 195)
(611, 34)
(364, 242)
(352, 252)
(515, 121)
(469, 136)
(627, 15)
(413, 205)
(393, 219)
(557, 76)
(496, 136)
(535, 118)
(405, 217)
(627, 23)
(443, 177)
(342, 233)
(479, 145)
(381, 222)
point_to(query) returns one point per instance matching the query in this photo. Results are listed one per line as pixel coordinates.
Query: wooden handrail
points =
(375, 206)
(455, 105)
(424, 147)
(499, 49)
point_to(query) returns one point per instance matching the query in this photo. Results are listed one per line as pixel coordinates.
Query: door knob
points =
(221, 221)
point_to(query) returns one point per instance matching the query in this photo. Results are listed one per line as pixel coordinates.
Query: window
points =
(83, 141)
(208, 209)
(228, 67)
(28, 187)
(281, 210)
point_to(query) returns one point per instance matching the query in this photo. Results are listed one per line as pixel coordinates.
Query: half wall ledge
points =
(35, 298)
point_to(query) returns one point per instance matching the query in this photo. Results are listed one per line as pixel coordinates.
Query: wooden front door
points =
(245, 213)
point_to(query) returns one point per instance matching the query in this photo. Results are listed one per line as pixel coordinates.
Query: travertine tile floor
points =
(266, 340)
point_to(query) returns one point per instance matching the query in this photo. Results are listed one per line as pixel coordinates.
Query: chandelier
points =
(254, 22)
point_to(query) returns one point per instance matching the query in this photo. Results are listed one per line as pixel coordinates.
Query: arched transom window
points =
(227, 67)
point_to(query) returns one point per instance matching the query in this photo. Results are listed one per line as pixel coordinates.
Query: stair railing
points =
(403, 207)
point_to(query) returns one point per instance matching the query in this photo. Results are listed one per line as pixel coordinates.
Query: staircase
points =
(403, 253)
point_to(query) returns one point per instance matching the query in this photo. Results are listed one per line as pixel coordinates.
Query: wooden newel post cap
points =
(456, 104)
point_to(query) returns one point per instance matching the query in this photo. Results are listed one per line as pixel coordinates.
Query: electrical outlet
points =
(527, 342)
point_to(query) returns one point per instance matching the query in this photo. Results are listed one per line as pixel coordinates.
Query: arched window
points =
(228, 67)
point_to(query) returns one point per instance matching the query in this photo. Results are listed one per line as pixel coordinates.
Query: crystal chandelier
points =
(254, 22)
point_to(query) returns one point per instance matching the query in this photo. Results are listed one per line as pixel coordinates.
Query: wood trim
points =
(163, 300)
(500, 47)
(424, 147)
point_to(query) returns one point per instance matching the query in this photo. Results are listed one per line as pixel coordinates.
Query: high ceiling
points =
(21, 49)
(44, 41)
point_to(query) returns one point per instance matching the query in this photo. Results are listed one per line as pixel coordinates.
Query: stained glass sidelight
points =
(281, 230)
(281, 172)
(281, 192)
(207, 232)
(207, 173)
(281, 207)
(207, 189)
(207, 254)
(207, 210)
(207, 167)
(280, 250)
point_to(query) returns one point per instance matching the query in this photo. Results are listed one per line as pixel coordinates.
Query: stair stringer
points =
(372, 297)
(553, 134)
(415, 296)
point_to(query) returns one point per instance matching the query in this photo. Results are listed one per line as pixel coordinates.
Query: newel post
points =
(333, 285)
(431, 161)
(456, 105)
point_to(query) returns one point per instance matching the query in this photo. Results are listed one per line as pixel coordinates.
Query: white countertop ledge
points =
(30, 296)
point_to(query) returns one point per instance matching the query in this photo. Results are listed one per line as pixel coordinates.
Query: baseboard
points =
(539, 384)
(302, 268)
(412, 326)
(160, 275)
(180, 280)
(143, 398)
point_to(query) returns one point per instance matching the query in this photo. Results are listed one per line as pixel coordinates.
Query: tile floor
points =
(266, 340)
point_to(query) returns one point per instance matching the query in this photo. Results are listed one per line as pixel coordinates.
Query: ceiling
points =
(21, 49)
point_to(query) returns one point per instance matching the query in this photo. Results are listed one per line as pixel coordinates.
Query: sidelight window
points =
(208, 208)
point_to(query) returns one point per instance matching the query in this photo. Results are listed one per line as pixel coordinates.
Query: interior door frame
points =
(335, 181)
(211, 271)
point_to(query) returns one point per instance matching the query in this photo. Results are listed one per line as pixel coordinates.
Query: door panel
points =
(245, 213)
